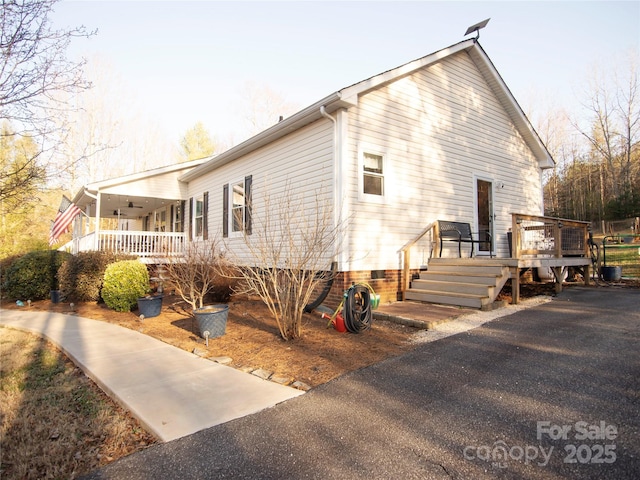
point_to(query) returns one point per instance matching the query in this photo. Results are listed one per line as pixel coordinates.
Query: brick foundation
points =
(388, 286)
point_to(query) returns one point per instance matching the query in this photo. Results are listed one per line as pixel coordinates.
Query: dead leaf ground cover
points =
(252, 339)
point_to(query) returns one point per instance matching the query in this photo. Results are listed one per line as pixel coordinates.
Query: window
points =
(198, 217)
(160, 221)
(373, 174)
(198, 209)
(177, 215)
(236, 207)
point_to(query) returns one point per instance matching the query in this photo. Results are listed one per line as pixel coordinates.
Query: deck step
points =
(446, 298)
(454, 287)
(471, 283)
(461, 277)
(470, 269)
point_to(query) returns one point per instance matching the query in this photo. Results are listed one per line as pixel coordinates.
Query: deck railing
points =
(548, 236)
(145, 245)
(405, 252)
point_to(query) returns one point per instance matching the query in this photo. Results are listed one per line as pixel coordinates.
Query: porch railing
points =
(548, 236)
(145, 245)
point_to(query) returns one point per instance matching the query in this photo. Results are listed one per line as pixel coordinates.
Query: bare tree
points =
(293, 241)
(598, 178)
(613, 101)
(34, 70)
(262, 107)
(108, 133)
(198, 272)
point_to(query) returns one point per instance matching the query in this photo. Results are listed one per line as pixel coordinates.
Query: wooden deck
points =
(516, 266)
(536, 242)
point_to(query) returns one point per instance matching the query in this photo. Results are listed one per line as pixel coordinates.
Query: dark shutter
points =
(225, 210)
(191, 218)
(171, 219)
(205, 215)
(183, 215)
(247, 202)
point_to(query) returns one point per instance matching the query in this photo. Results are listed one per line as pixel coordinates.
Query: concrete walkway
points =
(173, 393)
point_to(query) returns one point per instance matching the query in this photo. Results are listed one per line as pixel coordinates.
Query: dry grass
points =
(55, 422)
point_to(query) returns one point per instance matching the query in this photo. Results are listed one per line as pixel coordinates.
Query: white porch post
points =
(96, 240)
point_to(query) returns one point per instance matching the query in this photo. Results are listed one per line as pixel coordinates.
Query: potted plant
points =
(195, 275)
(150, 305)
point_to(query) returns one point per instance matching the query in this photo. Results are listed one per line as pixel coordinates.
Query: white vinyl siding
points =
(300, 163)
(165, 185)
(440, 126)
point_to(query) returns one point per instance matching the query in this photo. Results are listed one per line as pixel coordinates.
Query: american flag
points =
(66, 213)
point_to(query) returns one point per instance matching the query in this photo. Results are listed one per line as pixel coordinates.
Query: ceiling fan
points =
(131, 205)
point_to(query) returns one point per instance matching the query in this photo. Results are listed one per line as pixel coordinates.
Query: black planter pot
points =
(611, 274)
(150, 306)
(212, 319)
(55, 296)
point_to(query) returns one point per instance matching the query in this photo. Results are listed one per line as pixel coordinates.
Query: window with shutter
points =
(237, 211)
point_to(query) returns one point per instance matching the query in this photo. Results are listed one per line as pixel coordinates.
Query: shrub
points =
(81, 275)
(33, 275)
(200, 274)
(5, 263)
(124, 283)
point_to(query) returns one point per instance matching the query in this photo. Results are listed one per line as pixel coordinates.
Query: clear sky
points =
(188, 61)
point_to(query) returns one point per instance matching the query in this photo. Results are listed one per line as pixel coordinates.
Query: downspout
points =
(336, 162)
(324, 113)
(329, 276)
(336, 172)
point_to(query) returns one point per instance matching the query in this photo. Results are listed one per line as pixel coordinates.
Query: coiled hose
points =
(357, 311)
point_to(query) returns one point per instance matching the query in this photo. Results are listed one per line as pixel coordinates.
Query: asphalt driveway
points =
(545, 393)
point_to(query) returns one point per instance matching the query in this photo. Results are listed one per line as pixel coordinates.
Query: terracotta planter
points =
(150, 306)
(212, 319)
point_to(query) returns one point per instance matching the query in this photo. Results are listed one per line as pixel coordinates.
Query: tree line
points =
(597, 173)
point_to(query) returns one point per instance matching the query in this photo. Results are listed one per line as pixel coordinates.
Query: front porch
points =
(142, 214)
(149, 247)
(535, 242)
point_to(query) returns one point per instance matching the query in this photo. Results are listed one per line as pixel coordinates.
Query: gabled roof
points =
(136, 189)
(348, 97)
(124, 179)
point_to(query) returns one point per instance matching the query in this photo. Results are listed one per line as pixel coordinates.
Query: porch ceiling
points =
(129, 206)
